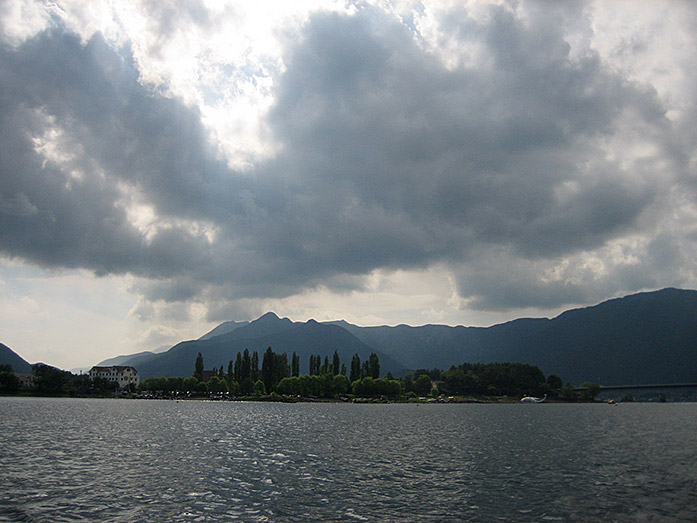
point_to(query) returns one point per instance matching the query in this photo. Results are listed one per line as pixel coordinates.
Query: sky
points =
(166, 166)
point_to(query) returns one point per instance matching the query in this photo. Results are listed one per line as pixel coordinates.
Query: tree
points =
(373, 366)
(422, 385)
(190, 384)
(174, 383)
(238, 368)
(49, 379)
(315, 364)
(246, 372)
(408, 382)
(259, 388)
(336, 364)
(370, 387)
(555, 383)
(281, 369)
(340, 384)
(355, 368)
(267, 369)
(9, 382)
(254, 372)
(592, 390)
(198, 367)
(216, 384)
(295, 365)
(246, 386)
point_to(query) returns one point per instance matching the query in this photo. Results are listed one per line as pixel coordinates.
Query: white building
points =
(123, 375)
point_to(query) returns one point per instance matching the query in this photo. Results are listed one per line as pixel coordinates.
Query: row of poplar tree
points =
(246, 375)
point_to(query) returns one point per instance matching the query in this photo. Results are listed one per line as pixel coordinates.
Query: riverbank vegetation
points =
(279, 377)
(275, 376)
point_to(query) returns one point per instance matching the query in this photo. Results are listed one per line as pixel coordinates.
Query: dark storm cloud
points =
(112, 131)
(441, 161)
(387, 159)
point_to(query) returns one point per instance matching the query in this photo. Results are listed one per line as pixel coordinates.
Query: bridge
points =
(672, 392)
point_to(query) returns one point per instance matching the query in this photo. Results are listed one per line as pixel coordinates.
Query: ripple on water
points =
(118, 461)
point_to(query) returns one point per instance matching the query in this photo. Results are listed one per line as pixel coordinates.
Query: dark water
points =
(130, 460)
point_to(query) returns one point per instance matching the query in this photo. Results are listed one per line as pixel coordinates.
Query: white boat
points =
(532, 399)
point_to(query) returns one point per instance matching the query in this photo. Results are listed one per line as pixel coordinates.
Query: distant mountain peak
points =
(268, 316)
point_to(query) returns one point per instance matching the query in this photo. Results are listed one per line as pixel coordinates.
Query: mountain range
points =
(645, 338)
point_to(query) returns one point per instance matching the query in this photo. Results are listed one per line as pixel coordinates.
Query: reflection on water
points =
(129, 460)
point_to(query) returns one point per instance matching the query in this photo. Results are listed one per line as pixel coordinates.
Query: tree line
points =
(52, 381)
(275, 373)
(328, 378)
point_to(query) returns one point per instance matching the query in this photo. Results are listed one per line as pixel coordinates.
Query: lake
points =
(137, 460)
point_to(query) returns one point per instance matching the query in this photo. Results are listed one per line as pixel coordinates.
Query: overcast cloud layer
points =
(540, 155)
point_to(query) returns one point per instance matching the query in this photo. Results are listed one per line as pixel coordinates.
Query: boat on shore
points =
(533, 399)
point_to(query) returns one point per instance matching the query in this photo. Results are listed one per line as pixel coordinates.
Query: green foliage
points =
(340, 384)
(315, 365)
(237, 373)
(233, 387)
(274, 368)
(254, 367)
(314, 386)
(295, 365)
(189, 384)
(423, 385)
(495, 379)
(592, 390)
(434, 374)
(569, 394)
(259, 388)
(555, 383)
(49, 380)
(355, 374)
(9, 382)
(246, 386)
(246, 371)
(336, 364)
(216, 384)
(198, 367)
(370, 387)
(373, 369)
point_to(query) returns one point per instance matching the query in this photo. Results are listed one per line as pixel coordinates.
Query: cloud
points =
(523, 163)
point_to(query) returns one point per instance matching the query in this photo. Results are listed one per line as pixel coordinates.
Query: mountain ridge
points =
(283, 335)
(646, 337)
(10, 357)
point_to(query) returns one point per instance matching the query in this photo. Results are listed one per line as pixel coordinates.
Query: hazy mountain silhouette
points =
(643, 338)
(10, 357)
(282, 335)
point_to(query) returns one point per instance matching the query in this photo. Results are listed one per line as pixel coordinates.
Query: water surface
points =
(136, 460)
